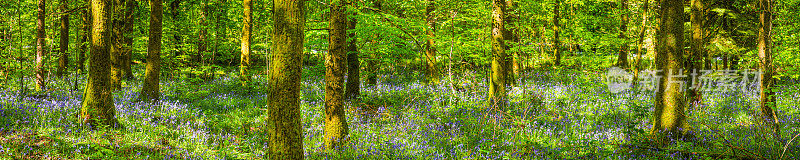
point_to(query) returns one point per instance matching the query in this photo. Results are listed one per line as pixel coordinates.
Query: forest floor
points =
(551, 115)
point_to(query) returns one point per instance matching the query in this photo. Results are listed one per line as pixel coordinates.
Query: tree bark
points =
(622, 59)
(98, 103)
(247, 29)
(335, 121)
(353, 88)
(497, 89)
(511, 35)
(84, 37)
(697, 20)
(556, 32)
(125, 57)
(431, 72)
(372, 62)
(286, 133)
(768, 97)
(150, 88)
(63, 59)
(40, 51)
(117, 42)
(669, 119)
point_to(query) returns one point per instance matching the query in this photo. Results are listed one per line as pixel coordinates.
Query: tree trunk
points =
(85, 36)
(247, 29)
(622, 60)
(372, 62)
(335, 122)
(697, 49)
(511, 36)
(353, 88)
(117, 42)
(40, 52)
(286, 135)
(98, 103)
(175, 10)
(63, 60)
(768, 100)
(556, 31)
(201, 38)
(150, 87)
(431, 72)
(497, 89)
(125, 57)
(669, 120)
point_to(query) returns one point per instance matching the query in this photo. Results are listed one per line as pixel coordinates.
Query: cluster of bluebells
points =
(549, 115)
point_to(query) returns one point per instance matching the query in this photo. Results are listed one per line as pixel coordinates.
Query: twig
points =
(787, 145)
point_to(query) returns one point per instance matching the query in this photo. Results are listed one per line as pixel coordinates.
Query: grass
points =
(551, 115)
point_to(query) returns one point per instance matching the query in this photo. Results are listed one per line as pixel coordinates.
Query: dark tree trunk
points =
(622, 59)
(63, 59)
(557, 32)
(353, 88)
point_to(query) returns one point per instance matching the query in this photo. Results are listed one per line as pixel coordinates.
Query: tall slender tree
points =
(247, 29)
(286, 133)
(150, 87)
(335, 121)
(767, 100)
(431, 72)
(98, 103)
(86, 26)
(697, 49)
(497, 89)
(353, 88)
(511, 38)
(622, 56)
(117, 41)
(669, 120)
(557, 31)
(63, 59)
(40, 50)
(127, 40)
(372, 62)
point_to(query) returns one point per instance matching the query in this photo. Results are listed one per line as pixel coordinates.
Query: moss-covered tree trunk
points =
(768, 99)
(431, 72)
(557, 32)
(335, 120)
(353, 88)
(118, 44)
(63, 59)
(40, 51)
(150, 87)
(669, 120)
(622, 56)
(98, 103)
(285, 73)
(497, 88)
(697, 49)
(247, 29)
